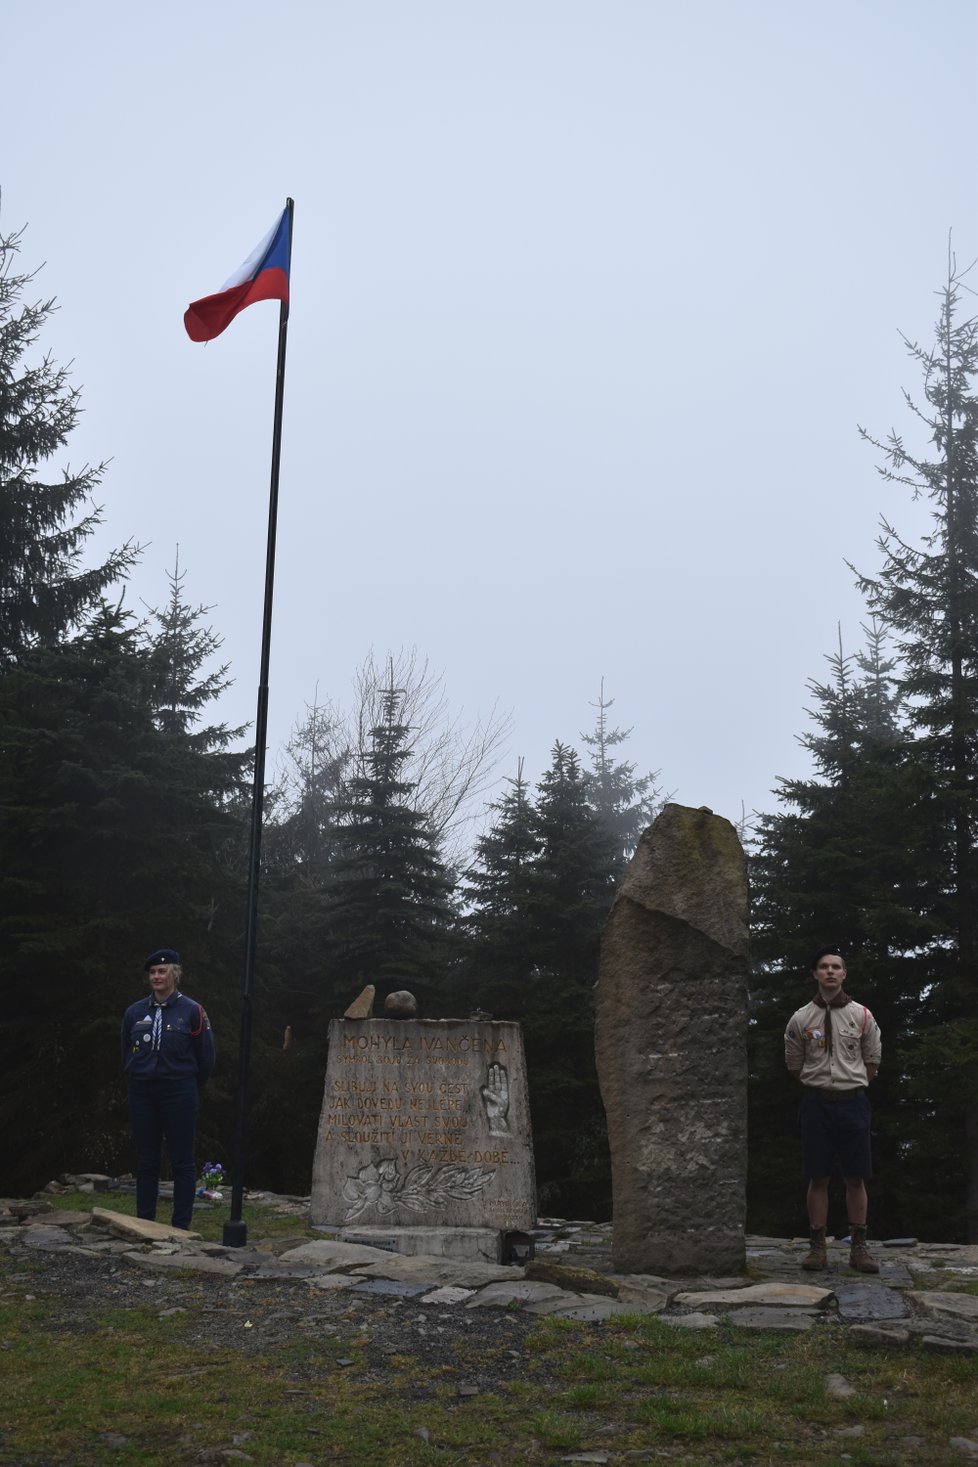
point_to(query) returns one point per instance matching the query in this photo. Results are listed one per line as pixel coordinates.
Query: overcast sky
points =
(588, 300)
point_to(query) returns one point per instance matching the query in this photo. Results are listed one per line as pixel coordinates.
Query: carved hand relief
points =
(380, 1185)
(495, 1097)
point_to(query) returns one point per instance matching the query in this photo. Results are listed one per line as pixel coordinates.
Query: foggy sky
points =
(587, 302)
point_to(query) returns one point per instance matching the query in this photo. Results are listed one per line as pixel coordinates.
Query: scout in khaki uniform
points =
(833, 1046)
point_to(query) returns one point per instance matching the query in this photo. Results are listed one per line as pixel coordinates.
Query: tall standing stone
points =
(671, 1043)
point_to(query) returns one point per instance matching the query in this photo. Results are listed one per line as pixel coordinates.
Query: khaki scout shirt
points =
(855, 1044)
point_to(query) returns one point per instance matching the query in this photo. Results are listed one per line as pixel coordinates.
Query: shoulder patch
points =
(203, 1022)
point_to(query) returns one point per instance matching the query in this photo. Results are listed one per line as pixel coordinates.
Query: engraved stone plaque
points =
(425, 1122)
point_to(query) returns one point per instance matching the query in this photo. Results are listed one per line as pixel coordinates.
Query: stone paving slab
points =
(696, 1320)
(329, 1255)
(273, 1270)
(960, 1306)
(948, 1347)
(588, 1307)
(894, 1273)
(331, 1281)
(415, 1267)
(447, 1295)
(397, 1287)
(140, 1228)
(779, 1319)
(480, 1245)
(869, 1334)
(783, 1295)
(646, 1297)
(62, 1218)
(191, 1262)
(861, 1303)
(47, 1238)
(514, 1291)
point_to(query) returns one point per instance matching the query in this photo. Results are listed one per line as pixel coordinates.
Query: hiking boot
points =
(859, 1255)
(816, 1257)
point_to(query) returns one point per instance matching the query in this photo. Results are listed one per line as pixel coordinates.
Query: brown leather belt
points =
(834, 1095)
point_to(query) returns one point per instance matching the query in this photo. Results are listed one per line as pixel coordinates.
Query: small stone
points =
(850, 1431)
(899, 1243)
(468, 1390)
(837, 1385)
(344, 1361)
(964, 1444)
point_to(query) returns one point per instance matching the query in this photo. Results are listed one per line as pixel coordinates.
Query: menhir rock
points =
(671, 1041)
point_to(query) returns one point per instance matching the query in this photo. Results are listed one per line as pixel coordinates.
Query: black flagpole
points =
(235, 1229)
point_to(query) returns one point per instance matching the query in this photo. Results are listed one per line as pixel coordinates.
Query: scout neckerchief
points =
(839, 1002)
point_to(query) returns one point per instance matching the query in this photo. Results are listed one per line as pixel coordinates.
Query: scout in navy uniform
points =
(833, 1046)
(167, 1054)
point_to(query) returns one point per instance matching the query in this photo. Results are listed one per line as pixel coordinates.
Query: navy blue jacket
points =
(172, 1040)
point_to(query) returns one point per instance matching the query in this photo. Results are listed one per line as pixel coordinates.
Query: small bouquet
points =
(211, 1177)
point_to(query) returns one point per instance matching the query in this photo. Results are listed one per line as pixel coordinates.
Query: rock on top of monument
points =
(401, 1005)
(690, 865)
(362, 1006)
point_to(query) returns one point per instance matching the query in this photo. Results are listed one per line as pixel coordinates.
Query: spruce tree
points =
(45, 519)
(625, 803)
(833, 866)
(389, 906)
(928, 595)
(114, 836)
(498, 933)
(570, 895)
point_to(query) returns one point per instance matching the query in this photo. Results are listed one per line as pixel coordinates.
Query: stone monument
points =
(671, 1045)
(425, 1124)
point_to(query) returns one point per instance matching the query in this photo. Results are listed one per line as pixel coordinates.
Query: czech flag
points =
(264, 276)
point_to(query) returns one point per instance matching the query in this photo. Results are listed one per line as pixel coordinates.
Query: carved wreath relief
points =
(381, 1185)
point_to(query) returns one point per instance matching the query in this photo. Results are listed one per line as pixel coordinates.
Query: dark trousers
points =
(159, 1108)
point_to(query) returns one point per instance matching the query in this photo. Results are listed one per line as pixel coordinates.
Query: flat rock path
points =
(473, 1316)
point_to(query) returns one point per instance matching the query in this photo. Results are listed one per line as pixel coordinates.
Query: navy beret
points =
(823, 952)
(161, 955)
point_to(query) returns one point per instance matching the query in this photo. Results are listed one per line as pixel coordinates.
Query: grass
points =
(261, 1220)
(135, 1388)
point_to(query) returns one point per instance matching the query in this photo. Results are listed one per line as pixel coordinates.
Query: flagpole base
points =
(235, 1233)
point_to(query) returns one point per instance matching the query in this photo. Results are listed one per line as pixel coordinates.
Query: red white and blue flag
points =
(264, 276)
